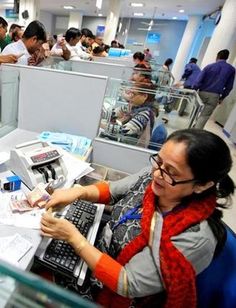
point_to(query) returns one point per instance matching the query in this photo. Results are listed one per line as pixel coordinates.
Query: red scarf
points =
(177, 272)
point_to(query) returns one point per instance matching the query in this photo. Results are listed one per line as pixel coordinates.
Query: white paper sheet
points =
(26, 220)
(13, 248)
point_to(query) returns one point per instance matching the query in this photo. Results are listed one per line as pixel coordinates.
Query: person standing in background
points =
(10, 58)
(28, 48)
(15, 30)
(191, 72)
(214, 83)
(148, 55)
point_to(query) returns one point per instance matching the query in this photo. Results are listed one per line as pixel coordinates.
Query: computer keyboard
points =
(59, 253)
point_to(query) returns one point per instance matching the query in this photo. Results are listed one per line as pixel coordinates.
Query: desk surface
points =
(6, 143)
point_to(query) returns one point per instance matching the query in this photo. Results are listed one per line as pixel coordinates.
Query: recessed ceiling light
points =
(68, 7)
(100, 14)
(136, 4)
(99, 4)
(138, 14)
(174, 17)
(181, 11)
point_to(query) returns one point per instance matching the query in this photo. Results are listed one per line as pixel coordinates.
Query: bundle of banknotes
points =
(37, 198)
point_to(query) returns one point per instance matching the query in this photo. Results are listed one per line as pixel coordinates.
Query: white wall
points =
(47, 19)
(92, 23)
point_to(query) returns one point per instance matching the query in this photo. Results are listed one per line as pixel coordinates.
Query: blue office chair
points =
(158, 137)
(216, 285)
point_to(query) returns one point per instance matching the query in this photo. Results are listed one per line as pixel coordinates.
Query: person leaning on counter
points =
(165, 225)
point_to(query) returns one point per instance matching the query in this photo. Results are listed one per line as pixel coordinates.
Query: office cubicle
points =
(110, 69)
(80, 98)
(84, 100)
(167, 108)
(21, 289)
(9, 95)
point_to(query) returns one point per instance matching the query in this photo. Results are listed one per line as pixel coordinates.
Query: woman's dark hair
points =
(209, 158)
(139, 55)
(168, 62)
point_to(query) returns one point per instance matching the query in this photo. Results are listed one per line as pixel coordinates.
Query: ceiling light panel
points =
(138, 14)
(136, 4)
(99, 4)
(68, 7)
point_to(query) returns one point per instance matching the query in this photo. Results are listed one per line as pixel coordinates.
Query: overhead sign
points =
(153, 38)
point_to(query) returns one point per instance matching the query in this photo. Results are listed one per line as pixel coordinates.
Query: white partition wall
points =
(123, 157)
(60, 101)
(111, 70)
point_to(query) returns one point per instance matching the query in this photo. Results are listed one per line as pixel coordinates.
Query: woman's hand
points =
(63, 197)
(60, 229)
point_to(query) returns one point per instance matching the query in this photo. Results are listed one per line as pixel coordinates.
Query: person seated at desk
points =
(138, 58)
(165, 225)
(28, 49)
(141, 74)
(99, 51)
(137, 119)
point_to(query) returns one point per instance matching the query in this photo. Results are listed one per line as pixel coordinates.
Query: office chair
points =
(158, 137)
(216, 285)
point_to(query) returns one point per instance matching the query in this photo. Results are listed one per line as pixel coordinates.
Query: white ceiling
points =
(165, 9)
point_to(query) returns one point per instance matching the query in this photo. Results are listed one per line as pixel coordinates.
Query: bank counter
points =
(41, 99)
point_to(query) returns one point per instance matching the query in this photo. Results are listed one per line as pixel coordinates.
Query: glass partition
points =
(57, 63)
(20, 289)
(143, 114)
(157, 74)
(9, 97)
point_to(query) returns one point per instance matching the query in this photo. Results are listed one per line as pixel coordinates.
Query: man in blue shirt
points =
(214, 83)
(191, 72)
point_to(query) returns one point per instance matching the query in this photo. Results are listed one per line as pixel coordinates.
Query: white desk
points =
(6, 143)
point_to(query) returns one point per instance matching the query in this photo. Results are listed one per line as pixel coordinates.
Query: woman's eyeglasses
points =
(156, 163)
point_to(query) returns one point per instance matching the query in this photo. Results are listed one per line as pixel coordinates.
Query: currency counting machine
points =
(38, 162)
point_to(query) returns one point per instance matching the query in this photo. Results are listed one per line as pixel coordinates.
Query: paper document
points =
(26, 220)
(13, 248)
(76, 168)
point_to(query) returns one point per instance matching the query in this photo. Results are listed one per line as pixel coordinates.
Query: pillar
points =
(223, 36)
(32, 6)
(75, 19)
(185, 46)
(112, 21)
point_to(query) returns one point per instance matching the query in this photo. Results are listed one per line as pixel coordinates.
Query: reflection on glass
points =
(143, 114)
(22, 289)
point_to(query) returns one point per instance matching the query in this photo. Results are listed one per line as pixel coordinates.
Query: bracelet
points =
(81, 246)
